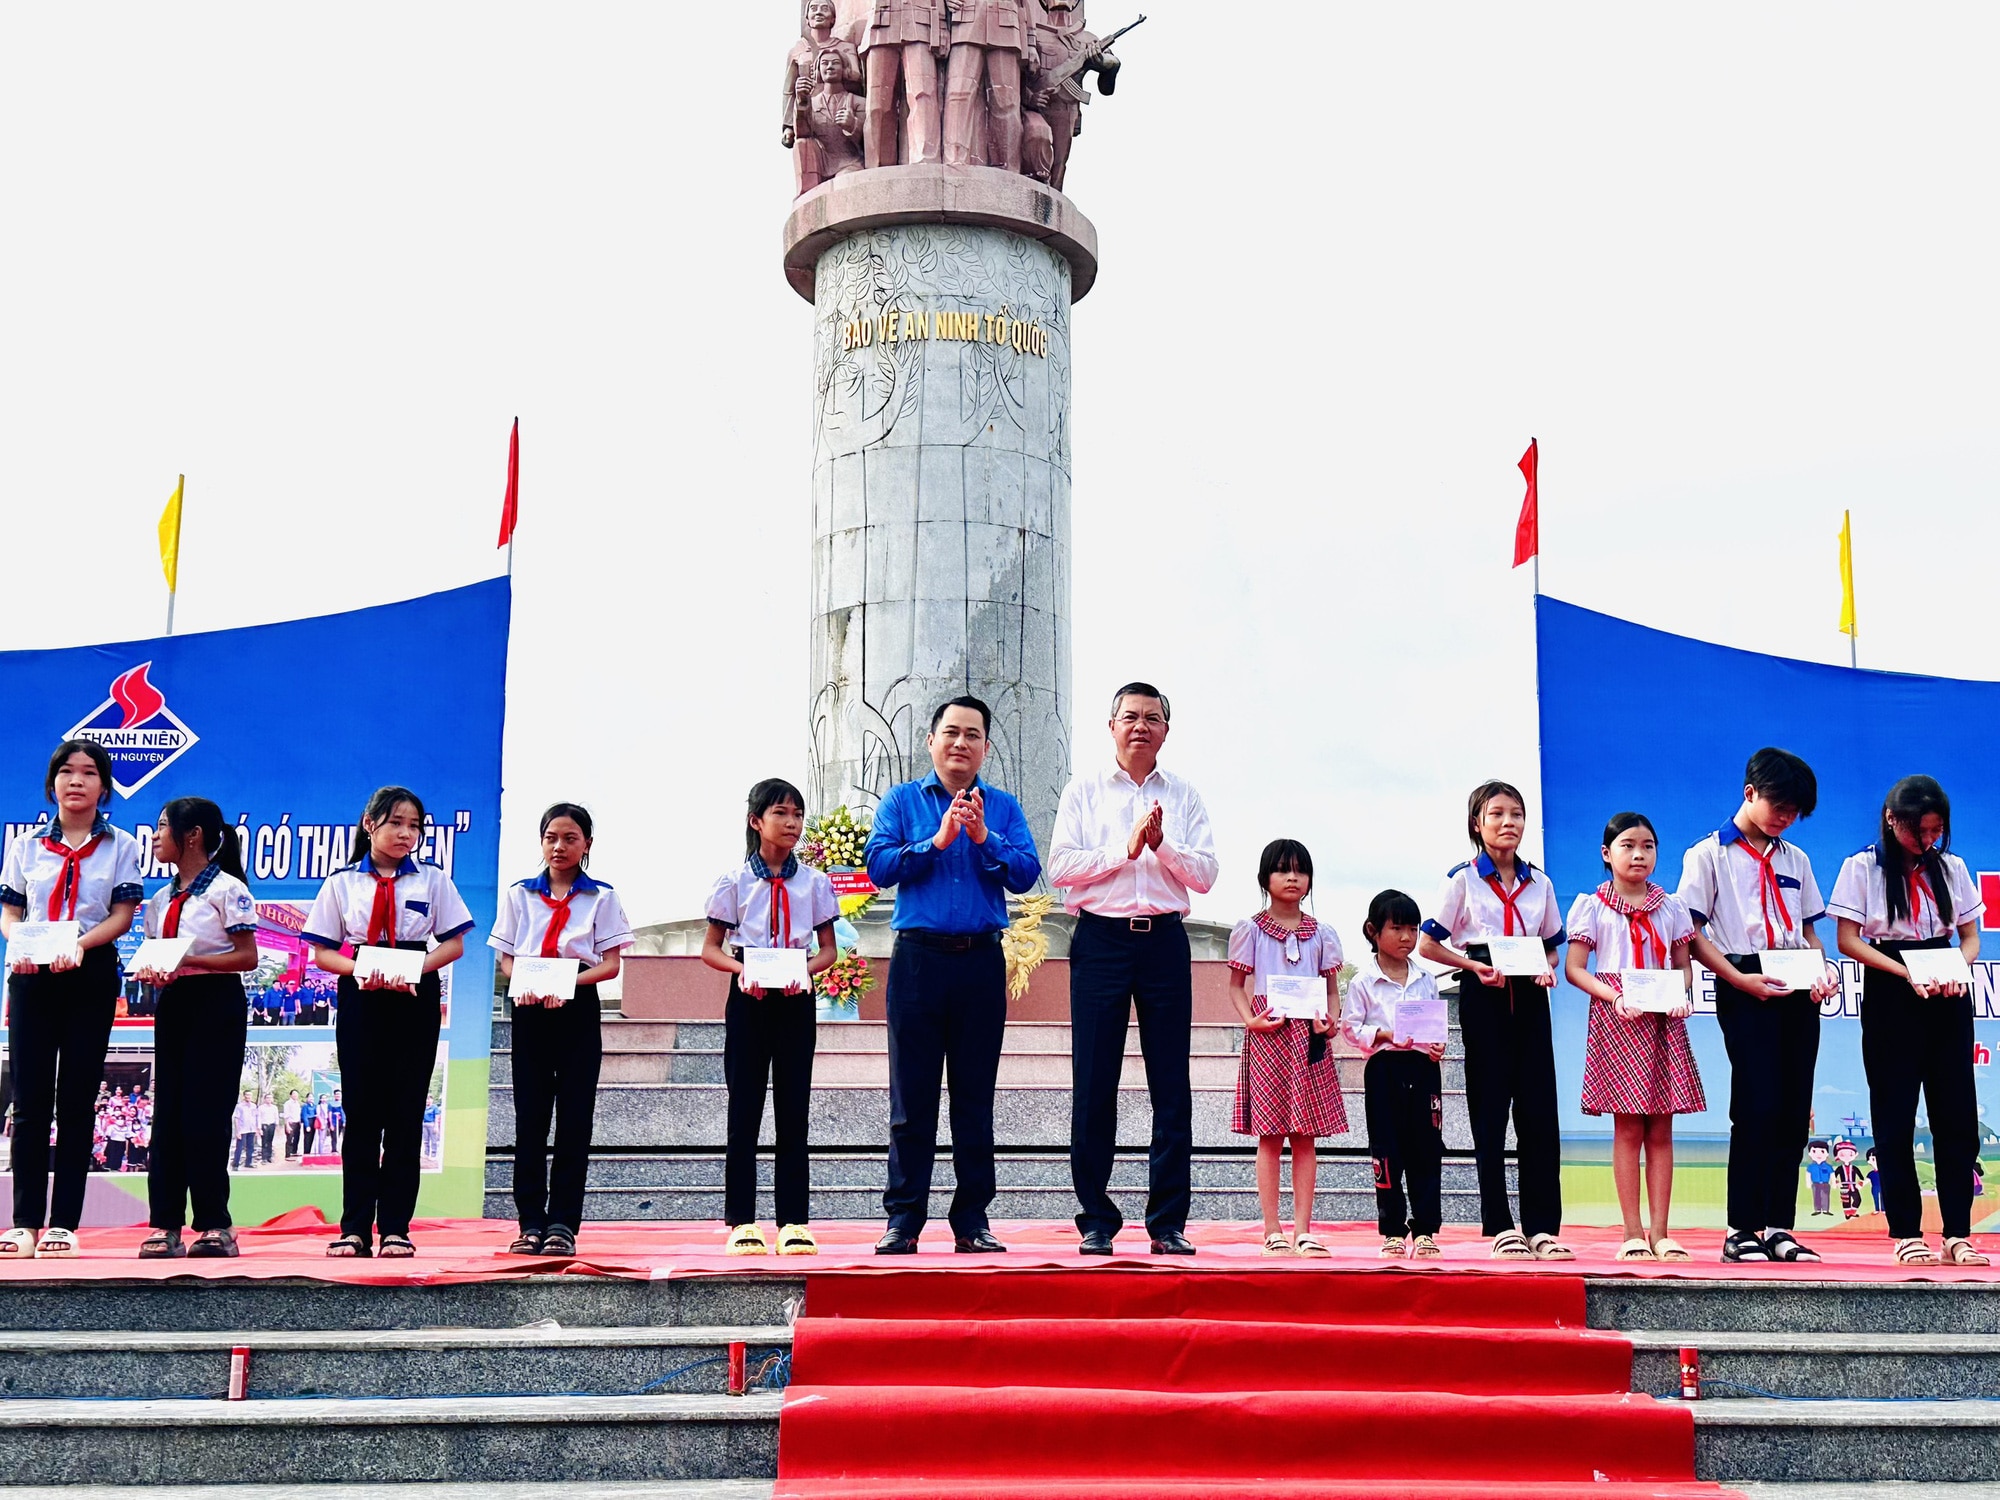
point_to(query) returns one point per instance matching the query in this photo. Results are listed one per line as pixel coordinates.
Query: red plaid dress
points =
(1278, 1091)
(1643, 1065)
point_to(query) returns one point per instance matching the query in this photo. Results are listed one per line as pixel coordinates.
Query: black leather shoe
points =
(895, 1242)
(1173, 1242)
(981, 1243)
(1095, 1242)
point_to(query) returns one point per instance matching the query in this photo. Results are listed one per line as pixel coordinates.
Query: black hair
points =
(380, 806)
(98, 758)
(1908, 802)
(965, 700)
(1482, 794)
(764, 796)
(1142, 690)
(1819, 1143)
(1780, 776)
(1283, 857)
(1624, 821)
(219, 841)
(577, 815)
(1389, 907)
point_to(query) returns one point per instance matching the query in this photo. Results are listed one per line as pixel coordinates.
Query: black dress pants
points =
(387, 1043)
(1405, 1099)
(198, 1040)
(58, 1028)
(557, 1055)
(1773, 1048)
(947, 1014)
(768, 1042)
(1910, 1044)
(1510, 1065)
(1112, 969)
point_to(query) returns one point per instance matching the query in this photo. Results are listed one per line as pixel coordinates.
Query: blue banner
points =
(290, 727)
(1639, 719)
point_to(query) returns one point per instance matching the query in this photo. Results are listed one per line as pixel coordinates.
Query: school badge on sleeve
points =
(137, 730)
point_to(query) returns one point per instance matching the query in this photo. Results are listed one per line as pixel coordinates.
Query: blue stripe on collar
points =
(763, 871)
(581, 881)
(52, 825)
(1485, 868)
(200, 883)
(366, 864)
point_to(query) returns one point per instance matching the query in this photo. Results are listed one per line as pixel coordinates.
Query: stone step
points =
(1814, 1366)
(1760, 1306)
(1849, 1441)
(332, 1442)
(442, 1362)
(1882, 1489)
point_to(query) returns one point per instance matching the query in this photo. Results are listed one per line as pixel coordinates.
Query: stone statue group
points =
(867, 94)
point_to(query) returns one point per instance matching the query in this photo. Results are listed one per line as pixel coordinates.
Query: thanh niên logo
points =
(137, 730)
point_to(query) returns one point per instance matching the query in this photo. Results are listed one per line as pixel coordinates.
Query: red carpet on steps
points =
(1116, 1385)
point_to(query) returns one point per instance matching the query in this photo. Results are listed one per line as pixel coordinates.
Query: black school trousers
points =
(387, 1043)
(1113, 969)
(768, 1042)
(558, 1053)
(1510, 1067)
(1405, 1100)
(1910, 1044)
(947, 1014)
(1773, 1048)
(198, 1040)
(58, 1028)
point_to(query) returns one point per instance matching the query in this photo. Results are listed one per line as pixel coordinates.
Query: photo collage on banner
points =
(1861, 732)
(184, 716)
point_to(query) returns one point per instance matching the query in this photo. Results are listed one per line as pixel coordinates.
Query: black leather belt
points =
(1158, 922)
(948, 942)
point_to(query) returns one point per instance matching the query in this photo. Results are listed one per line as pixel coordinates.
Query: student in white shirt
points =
(1405, 1089)
(199, 1029)
(1910, 892)
(74, 867)
(1129, 845)
(1510, 1060)
(1748, 891)
(558, 1046)
(386, 1033)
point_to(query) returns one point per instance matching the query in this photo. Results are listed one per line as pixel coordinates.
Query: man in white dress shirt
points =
(1130, 843)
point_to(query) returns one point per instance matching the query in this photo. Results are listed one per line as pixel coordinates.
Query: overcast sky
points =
(1733, 264)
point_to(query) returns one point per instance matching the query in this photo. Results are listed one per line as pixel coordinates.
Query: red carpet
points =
(1036, 1386)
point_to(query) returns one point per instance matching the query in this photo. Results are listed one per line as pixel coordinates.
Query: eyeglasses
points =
(1127, 720)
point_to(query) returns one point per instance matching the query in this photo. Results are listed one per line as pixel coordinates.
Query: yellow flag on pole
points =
(1847, 573)
(170, 538)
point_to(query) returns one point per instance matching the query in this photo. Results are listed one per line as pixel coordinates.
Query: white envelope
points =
(547, 977)
(1421, 1018)
(159, 955)
(1937, 965)
(403, 964)
(1518, 957)
(1799, 968)
(775, 968)
(42, 942)
(1296, 997)
(1654, 989)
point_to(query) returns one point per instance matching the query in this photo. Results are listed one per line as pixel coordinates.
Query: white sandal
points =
(1914, 1252)
(1424, 1248)
(1548, 1247)
(1636, 1249)
(1277, 1244)
(1312, 1248)
(1511, 1244)
(1394, 1247)
(56, 1244)
(1666, 1247)
(17, 1244)
(1958, 1252)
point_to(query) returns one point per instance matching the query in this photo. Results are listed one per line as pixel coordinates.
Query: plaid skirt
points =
(1279, 1093)
(1641, 1066)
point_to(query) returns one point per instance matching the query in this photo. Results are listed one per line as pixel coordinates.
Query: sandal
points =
(796, 1239)
(1395, 1247)
(396, 1247)
(350, 1247)
(17, 1244)
(162, 1244)
(1312, 1248)
(56, 1244)
(1959, 1252)
(1779, 1245)
(528, 1242)
(215, 1244)
(1277, 1244)
(1666, 1247)
(1636, 1249)
(1511, 1244)
(746, 1239)
(1548, 1247)
(1425, 1248)
(558, 1242)
(1914, 1252)
(1742, 1245)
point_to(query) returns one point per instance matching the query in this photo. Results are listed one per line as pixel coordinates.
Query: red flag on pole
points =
(1528, 530)
(510, 508)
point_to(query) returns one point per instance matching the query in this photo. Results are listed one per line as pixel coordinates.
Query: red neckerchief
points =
(70, 882)
(382, 916)
(781, 912)
(1639, 922)
(558, 919)
(170, 925)
(1919, 887)
(1767, 887)
(1508, 901)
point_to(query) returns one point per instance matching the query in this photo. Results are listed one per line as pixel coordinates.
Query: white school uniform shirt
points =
(109, 877)
(743, 902)
(218, 906)
(267, 1114)
(593, 925)
(1094, 823)
(427, 905)
(1861, 895)
(1469, 910)
(1372, 998)
(1597, 925)
(1723, 888)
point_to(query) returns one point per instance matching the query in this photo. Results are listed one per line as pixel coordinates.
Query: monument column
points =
(941, 470)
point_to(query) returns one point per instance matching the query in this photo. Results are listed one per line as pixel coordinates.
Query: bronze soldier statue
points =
(905, 39)
(992, 41)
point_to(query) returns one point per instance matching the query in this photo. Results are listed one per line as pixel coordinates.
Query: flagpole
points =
(173, 584)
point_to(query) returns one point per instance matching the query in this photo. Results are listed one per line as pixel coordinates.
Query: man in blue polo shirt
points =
(953, 847)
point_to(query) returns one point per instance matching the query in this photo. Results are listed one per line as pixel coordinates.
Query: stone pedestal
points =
(941, 471)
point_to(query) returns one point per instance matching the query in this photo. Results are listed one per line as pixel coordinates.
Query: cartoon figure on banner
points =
(1848, 1178)
(1820, 1172)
